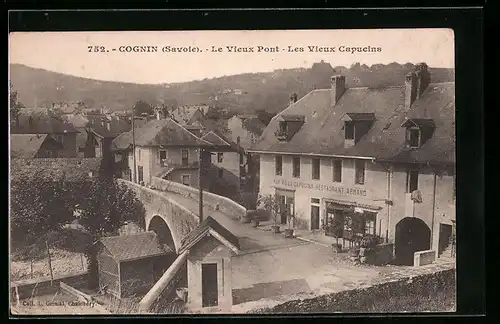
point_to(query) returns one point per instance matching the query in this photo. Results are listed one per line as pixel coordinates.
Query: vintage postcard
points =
(232, 172)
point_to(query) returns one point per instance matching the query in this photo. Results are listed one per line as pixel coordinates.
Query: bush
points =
(369, 241)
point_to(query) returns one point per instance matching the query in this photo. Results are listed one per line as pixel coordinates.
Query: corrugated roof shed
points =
(134, 246)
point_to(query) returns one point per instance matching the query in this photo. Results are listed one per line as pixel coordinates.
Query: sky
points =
(68, 52)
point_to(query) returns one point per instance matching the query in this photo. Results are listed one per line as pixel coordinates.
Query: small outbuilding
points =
(211, 247)
(131, 264)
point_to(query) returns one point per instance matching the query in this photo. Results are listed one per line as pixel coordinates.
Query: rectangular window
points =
(186, 180)
(279, 165)
(162, 157)
(220, 157)
(296, 166)
(283, 127)
(359, 166)
(185, 157)
(349, 130)
(315, 168)
(412, 180)
(337, 170)
(370, 223)
(413, 137)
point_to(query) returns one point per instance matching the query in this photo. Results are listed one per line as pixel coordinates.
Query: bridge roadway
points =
(251, 240)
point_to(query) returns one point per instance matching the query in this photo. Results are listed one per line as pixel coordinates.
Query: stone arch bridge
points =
(172, 208)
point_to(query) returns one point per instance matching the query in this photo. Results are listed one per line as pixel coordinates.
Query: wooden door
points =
(209, 285)
(314, 217)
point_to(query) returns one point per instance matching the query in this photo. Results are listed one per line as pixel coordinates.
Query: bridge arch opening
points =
(412, 235)
(160, 227)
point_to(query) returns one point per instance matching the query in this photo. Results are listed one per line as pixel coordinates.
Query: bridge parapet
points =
(179, 219)
(221, 203)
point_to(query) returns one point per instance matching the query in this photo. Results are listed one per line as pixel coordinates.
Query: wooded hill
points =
(242, 93)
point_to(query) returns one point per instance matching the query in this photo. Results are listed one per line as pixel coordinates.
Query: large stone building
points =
(163, 149)
(386, 154)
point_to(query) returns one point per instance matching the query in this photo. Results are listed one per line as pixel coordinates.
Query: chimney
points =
(293, 98)
(108, 125)
(338, 88)
(415, 84)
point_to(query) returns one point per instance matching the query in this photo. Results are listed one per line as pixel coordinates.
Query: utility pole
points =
(133, 145)
(200, 186)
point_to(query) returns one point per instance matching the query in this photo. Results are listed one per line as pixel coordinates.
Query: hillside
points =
(242, 93)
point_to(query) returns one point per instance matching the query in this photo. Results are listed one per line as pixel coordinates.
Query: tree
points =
(15, 105)
(107, 207)
(38, 205)
(142, 107)
(271, 204)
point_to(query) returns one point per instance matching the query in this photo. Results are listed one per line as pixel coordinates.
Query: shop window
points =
(278, 161)
(296, 166)
(337, 170)
(359, 166)
(315, 168)
(370, 223)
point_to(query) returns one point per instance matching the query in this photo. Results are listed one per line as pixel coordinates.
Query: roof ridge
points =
(196, 137)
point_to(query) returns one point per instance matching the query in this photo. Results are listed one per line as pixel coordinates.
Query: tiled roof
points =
(25, 146)
(70, 169)
(134, 246)
(203, 229)
(217, 139)
(98, 124)
(322, 132)
(41, 121)
(165, 132)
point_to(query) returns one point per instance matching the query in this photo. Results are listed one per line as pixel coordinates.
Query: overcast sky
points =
(67, 52)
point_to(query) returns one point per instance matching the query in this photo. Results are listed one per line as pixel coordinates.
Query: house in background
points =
(79, 121)
(30, 146)
(43, 121)
(189, 115)
(101, 130)
(64, 108)
(163, 149)
(228, 165)
(385, 156)
(248, 128)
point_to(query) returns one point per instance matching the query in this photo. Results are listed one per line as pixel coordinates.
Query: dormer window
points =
(418, 131)
(413, 137)
(356, 125)
(289, 125)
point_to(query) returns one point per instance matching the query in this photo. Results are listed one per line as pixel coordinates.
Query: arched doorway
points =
(412, 235)
(160, 227)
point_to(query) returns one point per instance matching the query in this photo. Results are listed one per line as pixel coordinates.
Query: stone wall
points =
(223, 204)
(422, 258)
(359, 300)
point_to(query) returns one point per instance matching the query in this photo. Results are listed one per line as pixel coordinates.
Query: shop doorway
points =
(287, 204)
(314, 217)
(412, 235)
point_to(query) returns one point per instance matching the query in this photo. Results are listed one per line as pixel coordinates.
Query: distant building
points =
(30, 146)
(187, 115)
(163, 148)
(42, 121)
(384, 155)
(68, 107)
(101, 130)
(248, 128)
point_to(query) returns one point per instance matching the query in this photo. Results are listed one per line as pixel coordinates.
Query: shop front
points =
(349, 220)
